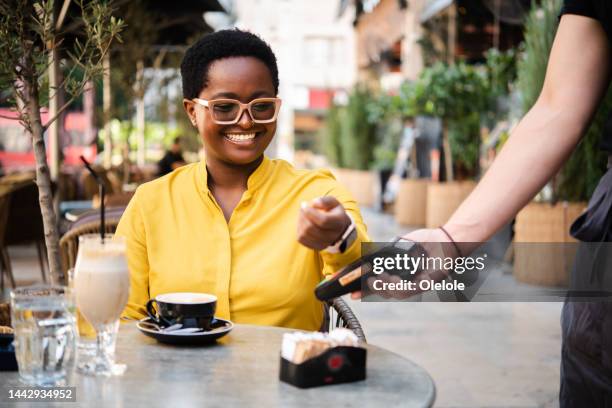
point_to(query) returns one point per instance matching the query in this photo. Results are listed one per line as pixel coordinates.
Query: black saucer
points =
(220, 328)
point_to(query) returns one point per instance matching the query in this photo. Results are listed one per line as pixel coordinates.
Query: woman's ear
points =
(189, 107)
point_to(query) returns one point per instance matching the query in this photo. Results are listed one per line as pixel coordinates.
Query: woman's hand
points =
(321, 223)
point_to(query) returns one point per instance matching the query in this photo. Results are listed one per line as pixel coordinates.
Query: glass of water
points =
(45, 334)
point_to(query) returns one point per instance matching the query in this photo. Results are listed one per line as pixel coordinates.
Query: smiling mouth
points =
(241, 138)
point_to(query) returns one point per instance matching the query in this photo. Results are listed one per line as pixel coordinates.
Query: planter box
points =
(361, 184)
(411, 202)
(537, 224)
(443, 199)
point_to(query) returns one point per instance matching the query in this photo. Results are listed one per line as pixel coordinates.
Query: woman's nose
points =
(245, 121)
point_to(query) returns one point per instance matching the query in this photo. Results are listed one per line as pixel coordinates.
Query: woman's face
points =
(243, 79)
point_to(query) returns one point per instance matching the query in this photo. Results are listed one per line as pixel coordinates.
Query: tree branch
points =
(87, 76)
(60, 111)
(159, 58)
(62, 15)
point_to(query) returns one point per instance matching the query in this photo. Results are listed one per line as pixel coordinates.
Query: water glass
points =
(45, 334)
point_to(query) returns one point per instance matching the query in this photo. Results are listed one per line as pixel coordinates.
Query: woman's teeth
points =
(240, 137)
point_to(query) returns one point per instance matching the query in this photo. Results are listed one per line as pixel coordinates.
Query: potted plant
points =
(455, 93)
(349, 139)
(394, 115)
(411, 202)
(385, 114)
(549, 217)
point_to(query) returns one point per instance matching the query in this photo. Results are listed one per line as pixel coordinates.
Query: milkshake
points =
(86, 342)
(101, 284)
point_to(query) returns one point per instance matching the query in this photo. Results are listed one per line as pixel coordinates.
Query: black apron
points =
(586, 351)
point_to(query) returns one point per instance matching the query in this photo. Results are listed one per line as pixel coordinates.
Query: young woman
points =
(227, 225)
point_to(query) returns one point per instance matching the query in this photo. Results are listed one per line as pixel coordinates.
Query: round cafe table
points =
(241, 369)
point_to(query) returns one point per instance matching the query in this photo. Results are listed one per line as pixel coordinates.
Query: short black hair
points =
(219, 45)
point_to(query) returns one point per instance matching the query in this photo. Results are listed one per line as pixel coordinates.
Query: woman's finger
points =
(309, 229)
(326, 220)
(326, 203)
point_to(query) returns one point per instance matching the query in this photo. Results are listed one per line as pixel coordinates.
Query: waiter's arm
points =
(577, 77)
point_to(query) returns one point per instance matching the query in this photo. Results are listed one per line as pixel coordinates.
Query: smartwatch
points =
(345, 241)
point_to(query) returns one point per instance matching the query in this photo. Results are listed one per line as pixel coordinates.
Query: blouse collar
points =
(255, 181)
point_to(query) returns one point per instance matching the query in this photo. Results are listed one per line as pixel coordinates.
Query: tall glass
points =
(86, 341)
(102, 284)
(45, 334)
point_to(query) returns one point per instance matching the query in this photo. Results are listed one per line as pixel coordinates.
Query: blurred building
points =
(387, 34)
(396, 38)
(468, 28)
(315, 49)
(76, 139)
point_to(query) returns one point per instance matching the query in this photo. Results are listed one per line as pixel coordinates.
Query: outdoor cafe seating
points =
(235, 351)
(20, 210)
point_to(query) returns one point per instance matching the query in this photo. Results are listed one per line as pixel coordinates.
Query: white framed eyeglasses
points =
(229, 111)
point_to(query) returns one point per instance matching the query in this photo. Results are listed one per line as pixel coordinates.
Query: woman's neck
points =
(226, 176)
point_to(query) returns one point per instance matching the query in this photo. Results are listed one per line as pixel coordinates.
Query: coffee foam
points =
(102, 251)
(186, 298)
(100, 262)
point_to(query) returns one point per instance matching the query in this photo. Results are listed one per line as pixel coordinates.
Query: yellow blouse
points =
(179, 241)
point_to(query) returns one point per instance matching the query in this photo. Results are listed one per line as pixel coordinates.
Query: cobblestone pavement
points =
(479, 354)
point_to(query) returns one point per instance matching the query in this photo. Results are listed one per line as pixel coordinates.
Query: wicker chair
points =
(24, 225)
(88, 223)
(344, 317)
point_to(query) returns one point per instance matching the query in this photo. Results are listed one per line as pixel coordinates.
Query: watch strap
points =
(347, 238)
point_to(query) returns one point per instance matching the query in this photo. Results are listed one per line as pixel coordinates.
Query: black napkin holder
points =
(336, 365)
(8, 362)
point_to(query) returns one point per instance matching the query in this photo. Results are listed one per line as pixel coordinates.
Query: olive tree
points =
(30, 39)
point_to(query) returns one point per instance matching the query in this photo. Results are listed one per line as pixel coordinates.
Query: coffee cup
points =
(186, 308)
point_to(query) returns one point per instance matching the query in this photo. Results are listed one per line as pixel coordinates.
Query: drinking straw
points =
(102, 192)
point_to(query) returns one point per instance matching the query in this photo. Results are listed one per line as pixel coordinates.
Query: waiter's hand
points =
(321, 223)
(427, 235)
